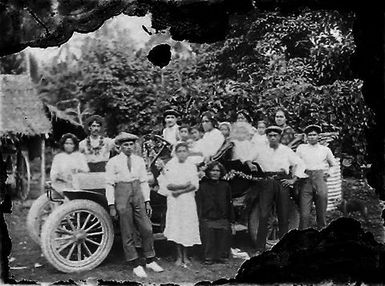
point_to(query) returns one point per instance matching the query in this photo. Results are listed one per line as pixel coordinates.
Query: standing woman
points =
(179, 182)
(216, 213)
(67, 163)
(212, 139)
(288, 134)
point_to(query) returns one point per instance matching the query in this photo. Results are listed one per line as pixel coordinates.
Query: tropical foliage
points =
(298, 61)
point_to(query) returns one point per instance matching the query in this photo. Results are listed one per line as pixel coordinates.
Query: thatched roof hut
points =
(21, 110)
(63, 123)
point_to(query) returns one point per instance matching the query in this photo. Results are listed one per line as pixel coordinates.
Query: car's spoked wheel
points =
(77, 236)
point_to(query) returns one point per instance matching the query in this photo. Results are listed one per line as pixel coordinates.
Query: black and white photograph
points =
(130, 152)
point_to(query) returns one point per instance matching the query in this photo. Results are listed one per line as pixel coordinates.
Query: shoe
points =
(154, 267)
(139, 271)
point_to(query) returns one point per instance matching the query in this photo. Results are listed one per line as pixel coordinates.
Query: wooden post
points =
(42, 166)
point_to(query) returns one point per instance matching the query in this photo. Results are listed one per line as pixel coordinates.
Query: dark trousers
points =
(272, 192)
(216, 237)
(129, 204)
(314, 189)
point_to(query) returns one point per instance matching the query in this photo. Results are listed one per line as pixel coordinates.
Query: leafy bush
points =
(298, 61)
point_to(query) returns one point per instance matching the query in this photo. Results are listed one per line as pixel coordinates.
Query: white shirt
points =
(117, 171)
(242, 150)
(64, 166)
(260, 140)
(178, 173)
(280, 160)
(211, 142)
(102, 155)
(196, 147)
(171, 134)
(316, 157)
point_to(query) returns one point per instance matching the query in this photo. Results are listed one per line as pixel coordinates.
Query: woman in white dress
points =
(179, 182)
(67, 163)
(212, 139)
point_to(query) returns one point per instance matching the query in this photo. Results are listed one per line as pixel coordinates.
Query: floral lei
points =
(95, 150)
(232, 174)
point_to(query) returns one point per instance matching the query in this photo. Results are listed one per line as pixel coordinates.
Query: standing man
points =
(96, 147)
(275, 161)
(318, 159)
(128, 195)
(171, 131)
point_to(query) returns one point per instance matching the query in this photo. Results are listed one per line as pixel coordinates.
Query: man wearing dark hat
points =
(96, 147)
(171, 131)
(318, 159)
(276, 161)
(128, 195)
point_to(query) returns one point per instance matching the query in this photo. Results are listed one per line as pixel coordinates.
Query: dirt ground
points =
(27, 262)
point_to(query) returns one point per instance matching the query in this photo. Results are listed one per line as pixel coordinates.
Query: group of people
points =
(210, 212)
(199, 201)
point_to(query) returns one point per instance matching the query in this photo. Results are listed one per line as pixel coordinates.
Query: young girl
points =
(259, 138)
(215, 213)
(179, 181)
(242, 145)
(225, 128)
(194, 144)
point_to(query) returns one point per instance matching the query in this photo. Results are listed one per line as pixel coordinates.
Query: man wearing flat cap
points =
(128, 195)
(318, 159)
(171, 131)
(276, 161)
(96, 147)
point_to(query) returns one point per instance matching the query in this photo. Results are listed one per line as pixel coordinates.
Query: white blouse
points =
(211, 142)
(171, 134)
(64, 166)
(178, 173)
(260, 140)
(243, 150)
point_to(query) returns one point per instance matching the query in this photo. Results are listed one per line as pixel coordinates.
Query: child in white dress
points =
(179, 182)
(242, 145)
(260, 139)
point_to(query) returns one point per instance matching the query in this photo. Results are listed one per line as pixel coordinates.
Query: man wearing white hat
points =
(128, 195)
(318, 159)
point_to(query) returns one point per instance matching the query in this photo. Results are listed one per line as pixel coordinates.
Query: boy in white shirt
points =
(318, 159)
